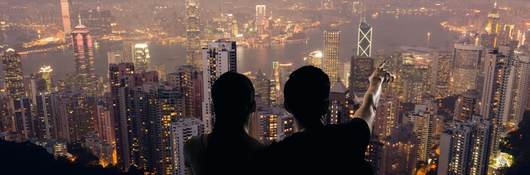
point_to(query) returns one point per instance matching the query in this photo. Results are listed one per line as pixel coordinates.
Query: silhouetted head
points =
(306, 95)
(233, 100)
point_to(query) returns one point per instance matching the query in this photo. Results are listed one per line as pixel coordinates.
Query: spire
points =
(363, 11)
(79, 19)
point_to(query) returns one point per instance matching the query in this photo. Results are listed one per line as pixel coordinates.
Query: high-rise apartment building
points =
(219, 57)
(181, 131)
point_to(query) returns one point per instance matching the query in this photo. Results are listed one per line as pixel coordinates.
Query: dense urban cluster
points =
(449, 111)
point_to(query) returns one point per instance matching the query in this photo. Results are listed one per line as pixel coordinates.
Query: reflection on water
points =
(389, 34)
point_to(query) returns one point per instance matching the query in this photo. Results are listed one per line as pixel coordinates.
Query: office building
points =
(331, 52)
(467, 65)
(83, 45)
(141, 57)
(13, 77)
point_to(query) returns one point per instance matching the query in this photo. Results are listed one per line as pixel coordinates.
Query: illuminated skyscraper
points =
(331, 57)
(338, 111)
(280, 73)
(46, 73)
(65, 15)
(193, 32)
(121, 82)
(181, 131)
(464, 147)
(467, 65)
(141, 57)
(261, 19)
(517, 90)
(441, 69)
(84, 58)
(364, 39)
(219, 57)
(44, 116)
(188, 79)
(262, 84)
(13, 77)
(361, 69)
(497, 70)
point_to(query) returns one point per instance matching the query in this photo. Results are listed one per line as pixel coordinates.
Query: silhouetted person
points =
(319, 148)
(228, 149)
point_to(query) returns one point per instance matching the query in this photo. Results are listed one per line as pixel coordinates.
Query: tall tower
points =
(193, 32)
(261, 19)
(494, 96)
(364, 36)
(65, 15)
(331, 54)
(219, 57)
(46, 73)
(141, 57)
(84, 58)
(13, 77)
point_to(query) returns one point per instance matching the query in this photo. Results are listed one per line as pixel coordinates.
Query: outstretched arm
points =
(371, 98)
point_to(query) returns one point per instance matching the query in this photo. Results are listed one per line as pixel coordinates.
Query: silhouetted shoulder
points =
(332, 149)
(194, 153)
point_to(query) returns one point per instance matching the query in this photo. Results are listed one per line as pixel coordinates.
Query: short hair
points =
(232, 94)
(307, 92)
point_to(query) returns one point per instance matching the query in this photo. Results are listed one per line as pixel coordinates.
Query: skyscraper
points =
(280, 74)
(44, 116)
(46, 73)
(496, 75)
(441, 70)
(219, 57)
(331, 54)
(84, 58)
(464, 147)
(467, 64)
(65, 15)
(141, 57)
(121, 81)
(193, 32)
(364, 39)
(361, 69)
(181, 131)
(261, 19)
(13, 77)
(189, 81)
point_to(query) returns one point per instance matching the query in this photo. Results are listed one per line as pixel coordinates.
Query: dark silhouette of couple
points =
(316, 149)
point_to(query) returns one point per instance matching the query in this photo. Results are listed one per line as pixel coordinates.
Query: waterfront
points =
(389, 34)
